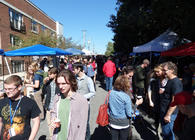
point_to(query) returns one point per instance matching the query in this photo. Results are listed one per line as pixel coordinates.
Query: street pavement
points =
(141, 130)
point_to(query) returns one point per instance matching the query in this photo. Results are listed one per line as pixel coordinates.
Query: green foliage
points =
(44, 39)
(139, 21)
(33, 39)
(109, 49)
(71, 44)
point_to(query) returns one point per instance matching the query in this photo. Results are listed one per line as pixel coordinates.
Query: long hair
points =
(69, 78)
(122, 83)
(35, 66)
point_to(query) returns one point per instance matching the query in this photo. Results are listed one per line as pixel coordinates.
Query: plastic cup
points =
(57, 123)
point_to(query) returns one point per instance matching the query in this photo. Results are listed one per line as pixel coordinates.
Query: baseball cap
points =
(182, 98)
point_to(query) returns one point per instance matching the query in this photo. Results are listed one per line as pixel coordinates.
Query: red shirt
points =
(109, 69)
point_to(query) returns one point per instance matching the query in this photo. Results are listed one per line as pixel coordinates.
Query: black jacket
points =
(47, 92)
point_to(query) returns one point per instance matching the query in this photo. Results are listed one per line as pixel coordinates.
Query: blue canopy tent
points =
(74, 51)
(1, 51)
(162, 43)
(37, 50)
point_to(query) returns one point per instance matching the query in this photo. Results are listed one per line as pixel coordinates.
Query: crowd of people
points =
(56, 92)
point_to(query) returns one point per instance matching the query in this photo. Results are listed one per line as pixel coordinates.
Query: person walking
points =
(28, 79)
(37, 85)
(50, 89)
(70, 108)
(109, 69)
(85, 88)
(17, 111)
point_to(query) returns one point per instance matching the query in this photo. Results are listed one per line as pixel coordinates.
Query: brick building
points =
(19, 18)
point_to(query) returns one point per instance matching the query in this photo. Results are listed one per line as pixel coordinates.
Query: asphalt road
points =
(141, 130)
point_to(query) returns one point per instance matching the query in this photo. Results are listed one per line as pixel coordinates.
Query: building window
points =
(52, 33)
(43, 28)
(14, 40)
(16, 19)
(17, 66)
(34, 26)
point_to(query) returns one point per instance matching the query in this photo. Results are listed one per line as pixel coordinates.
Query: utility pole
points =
(89, 42)
(84, 33)
(93, 48)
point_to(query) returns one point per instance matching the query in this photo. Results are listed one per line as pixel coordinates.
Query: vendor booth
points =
(162, 43)
(187, 49)
(75, 51)
(37, 50)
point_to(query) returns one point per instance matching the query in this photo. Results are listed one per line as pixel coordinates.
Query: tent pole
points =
(3, 69)
(150, 59)
(7, 65)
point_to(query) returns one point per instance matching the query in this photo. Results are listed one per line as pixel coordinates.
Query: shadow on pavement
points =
(102, 85)
(43, 137)
(146, 131)
(101, 133)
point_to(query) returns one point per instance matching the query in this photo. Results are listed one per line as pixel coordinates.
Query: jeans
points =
(167, 128)
(88, 135)
(109, 83)
(119, 134)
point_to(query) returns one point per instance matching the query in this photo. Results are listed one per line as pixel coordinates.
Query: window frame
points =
(16, 19)
(34, 26)
(14, 40)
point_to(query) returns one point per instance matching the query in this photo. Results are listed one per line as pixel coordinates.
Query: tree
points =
(69, 43)
(44, 39)
(109, 49)
(32, 39)
(129, 25)
(139, 21)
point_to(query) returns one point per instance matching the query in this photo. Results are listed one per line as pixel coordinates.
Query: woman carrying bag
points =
(120, 109)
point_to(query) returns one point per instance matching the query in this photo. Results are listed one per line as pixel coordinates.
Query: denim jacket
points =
(119, 108)
(119, 105)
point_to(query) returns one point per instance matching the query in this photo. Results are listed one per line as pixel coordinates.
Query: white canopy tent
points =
(87, 52)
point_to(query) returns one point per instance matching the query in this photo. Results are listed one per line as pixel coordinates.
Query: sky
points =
(79, 16)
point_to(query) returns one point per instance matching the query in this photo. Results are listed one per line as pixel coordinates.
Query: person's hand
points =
(167, 119)
(45, 80)
(139, 101)
(1, 94)
(52, 124)
(151, 104)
